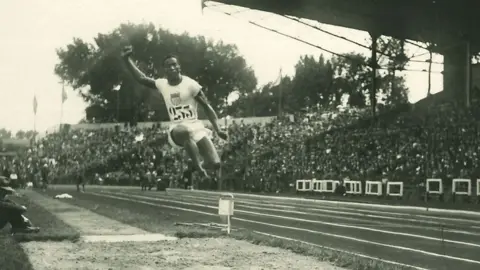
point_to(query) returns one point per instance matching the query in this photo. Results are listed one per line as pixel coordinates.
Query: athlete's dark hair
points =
(169, 56)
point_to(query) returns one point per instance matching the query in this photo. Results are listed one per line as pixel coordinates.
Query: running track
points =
(416, 238)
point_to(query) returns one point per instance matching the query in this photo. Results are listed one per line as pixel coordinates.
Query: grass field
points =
(52, 229)
(157, 220)
(12, 256)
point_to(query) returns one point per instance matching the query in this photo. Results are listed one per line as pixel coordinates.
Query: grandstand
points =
(415, 153)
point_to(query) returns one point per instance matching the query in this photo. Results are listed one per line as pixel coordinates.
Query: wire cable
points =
(311, 44)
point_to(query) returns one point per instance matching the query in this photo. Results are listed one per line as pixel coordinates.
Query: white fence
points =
(396, 184)
(373, 188)
(304, 185)
(457, 185)
(478, 187)
(394, 189)
(438, 190)
(353, 187)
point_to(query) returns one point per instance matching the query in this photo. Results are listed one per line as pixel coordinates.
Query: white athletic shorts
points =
(196, 129)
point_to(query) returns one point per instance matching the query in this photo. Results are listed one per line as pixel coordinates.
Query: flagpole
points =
(35, 128)
(61, 105)
(61, 117)
(35, 106)
(280, 95)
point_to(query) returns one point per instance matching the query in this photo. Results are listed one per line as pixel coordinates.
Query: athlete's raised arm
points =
(136, 72)
(211, 114)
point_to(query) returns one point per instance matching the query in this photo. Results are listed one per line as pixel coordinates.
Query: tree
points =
(392, 86)
(270, 100)
(352, 78)
(95, 70)
(30, 134)
(5, 134)
(313, 83)
(327, 83)
(354, 75)
(20, 134)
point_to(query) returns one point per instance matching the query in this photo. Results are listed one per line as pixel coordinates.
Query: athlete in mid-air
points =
(182, 96)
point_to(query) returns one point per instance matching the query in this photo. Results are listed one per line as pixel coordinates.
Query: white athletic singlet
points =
(180, 99)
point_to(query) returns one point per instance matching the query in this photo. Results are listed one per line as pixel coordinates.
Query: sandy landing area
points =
(138, 254)
(201, 254)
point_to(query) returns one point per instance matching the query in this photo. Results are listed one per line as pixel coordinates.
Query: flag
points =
(203, 5)
(35, 104)
(64, 94)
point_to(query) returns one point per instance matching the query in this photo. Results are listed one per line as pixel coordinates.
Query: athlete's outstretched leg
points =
(193, 152)
(212, 159)
(181, 136)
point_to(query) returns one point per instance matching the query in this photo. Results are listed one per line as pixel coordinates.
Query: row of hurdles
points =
(377, 188)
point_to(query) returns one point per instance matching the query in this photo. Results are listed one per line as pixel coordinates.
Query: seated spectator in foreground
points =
(13, 213)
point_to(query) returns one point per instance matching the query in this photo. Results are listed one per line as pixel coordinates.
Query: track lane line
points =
(300, 229)
(442, 240)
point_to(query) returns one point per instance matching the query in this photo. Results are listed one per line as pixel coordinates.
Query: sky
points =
(31, 31)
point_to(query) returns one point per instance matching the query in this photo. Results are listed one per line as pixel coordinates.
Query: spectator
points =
(12, 213)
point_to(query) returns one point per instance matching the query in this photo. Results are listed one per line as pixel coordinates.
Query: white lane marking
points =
(338, 215)
(318, 203)
(301, 200)
(300, 229)
(336, 208)
(318, 222)
(337, 212)
(344, 251)
(367, 205)
(375, 223)
(363, 241)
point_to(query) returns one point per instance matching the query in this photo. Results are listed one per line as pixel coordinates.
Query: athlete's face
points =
(172, 68)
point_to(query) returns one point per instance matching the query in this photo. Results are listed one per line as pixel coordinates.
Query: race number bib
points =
(182, 112)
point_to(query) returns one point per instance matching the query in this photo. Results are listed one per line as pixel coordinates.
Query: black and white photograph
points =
(239, 135)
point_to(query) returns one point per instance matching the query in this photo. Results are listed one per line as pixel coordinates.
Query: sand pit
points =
(194, 254)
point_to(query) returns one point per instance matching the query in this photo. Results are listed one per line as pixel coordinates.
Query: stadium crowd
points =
(439, 141)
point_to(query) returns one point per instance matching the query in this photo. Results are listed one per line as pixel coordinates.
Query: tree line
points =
(20, 134)
(97, 73)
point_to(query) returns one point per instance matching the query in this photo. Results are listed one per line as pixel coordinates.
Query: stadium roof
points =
(440, 21)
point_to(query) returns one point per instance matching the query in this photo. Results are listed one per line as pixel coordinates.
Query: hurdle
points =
(369, 187)
(434, 180)
(329, 186)
(317, 185)
(478, 187)
(304, 185)
(459, 181)
(390, 184)
(353, 187)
